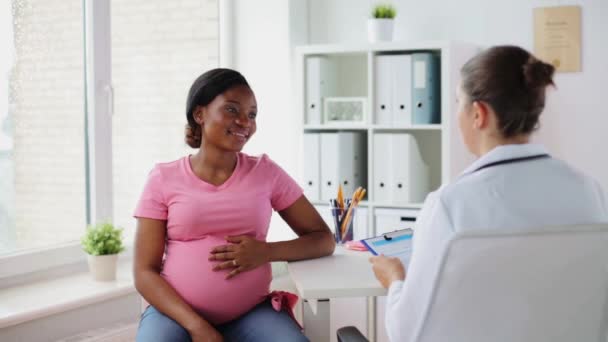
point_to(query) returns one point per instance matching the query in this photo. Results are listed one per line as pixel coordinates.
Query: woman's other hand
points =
(244, 253)
(387, 269)
(201, 331)
(209, 334)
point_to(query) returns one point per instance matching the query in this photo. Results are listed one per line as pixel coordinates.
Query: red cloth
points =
(287, 301)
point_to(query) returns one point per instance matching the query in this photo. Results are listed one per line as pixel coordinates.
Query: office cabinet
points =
(388, 220)
(407, 146)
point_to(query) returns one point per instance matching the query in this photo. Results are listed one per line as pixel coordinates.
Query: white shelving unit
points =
(354, 74)
(354, 71)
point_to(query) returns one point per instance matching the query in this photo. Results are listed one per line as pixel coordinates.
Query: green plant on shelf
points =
(384, 12)
(102, 239)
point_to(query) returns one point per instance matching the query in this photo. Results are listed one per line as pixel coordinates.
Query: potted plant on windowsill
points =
(102, 243)
(380, 26)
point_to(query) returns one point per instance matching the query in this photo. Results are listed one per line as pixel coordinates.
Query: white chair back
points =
(525, 286)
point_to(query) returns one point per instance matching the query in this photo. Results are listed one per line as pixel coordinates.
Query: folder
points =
(312, 168)
(426, 88)
(343, 156)
(382, 165)
(383, 90)
(325, 213)
(410, 179)
(401, 89)
(360, 224)
(401, 176)
(320, 83)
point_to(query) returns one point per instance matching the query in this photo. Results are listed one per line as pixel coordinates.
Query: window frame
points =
(32, 264)
(98, 150)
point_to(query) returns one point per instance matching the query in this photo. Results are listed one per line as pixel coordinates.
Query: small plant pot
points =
(380, 30)
(103, 267)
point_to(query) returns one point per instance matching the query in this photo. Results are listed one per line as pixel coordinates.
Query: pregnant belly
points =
(217, 299)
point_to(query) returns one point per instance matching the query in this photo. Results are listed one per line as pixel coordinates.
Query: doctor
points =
(513, 183)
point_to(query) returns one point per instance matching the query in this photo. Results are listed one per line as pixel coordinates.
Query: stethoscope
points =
(512, 161)
(501, 162)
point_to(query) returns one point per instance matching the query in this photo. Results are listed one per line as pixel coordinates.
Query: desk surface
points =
(344, 274)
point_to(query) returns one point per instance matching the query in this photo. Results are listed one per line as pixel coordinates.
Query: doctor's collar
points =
(504, 152)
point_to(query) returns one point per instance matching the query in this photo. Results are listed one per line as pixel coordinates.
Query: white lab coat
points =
(534, 193)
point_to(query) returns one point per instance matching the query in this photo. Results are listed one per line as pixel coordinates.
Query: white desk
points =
(344, 274)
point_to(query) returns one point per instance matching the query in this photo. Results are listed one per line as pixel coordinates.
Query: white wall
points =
(575, 118)
(265, 32)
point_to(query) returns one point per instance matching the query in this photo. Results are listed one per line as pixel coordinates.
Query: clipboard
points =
(393, 244)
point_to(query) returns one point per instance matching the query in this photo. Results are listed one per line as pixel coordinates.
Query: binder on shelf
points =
(382, 168)
(401, 175)
(426, 81)
(393, 90)
(360, 224)
(320, 82)
(312, 167)
(402, 90)
(383, 90)
(410, 181)
(343, 156)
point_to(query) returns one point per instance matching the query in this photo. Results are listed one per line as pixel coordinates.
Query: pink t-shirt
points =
(200, 215)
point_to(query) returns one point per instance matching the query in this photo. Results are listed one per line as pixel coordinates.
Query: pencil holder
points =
(343, 232)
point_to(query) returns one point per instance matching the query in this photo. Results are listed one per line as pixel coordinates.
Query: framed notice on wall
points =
(557, 37)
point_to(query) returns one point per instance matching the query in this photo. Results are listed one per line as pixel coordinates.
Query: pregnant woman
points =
(201, 256)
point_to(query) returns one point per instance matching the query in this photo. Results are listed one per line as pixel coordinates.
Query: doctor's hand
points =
(387, 270)
(244, 253)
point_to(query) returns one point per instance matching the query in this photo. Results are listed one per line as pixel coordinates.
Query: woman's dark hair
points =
(513, 82)
(204, 89)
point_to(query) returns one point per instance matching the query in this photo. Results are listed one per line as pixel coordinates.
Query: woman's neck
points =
(212, 160)
(493, 141)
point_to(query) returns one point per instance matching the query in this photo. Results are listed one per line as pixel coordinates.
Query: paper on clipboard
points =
(394, 244)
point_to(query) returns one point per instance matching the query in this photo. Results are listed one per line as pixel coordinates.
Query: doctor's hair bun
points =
(512, 82)
(537, 73)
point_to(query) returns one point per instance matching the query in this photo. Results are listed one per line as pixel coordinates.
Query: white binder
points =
(402, 89)
(325, 213)
(360, 224)
(312, 170)
(410, 179)
(382, 168)
(330, 152)
(383, 90)
(400, 174)
(320, 82)
(342, 162)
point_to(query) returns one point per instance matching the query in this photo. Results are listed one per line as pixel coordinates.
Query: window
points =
(158, 49)
(42, 153)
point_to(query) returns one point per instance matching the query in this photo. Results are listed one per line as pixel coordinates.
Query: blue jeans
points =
(261, 323)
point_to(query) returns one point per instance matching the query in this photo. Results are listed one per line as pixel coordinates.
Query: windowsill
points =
(40, 299)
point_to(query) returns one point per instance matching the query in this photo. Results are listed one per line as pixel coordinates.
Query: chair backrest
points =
(547, 284)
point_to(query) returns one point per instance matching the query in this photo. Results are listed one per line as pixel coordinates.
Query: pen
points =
(357, 196)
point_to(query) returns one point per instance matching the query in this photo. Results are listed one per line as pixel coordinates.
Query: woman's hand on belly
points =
(244, 253)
